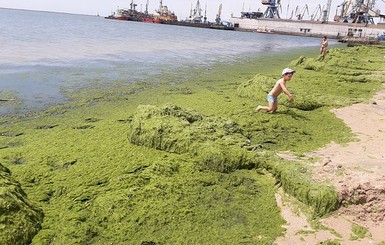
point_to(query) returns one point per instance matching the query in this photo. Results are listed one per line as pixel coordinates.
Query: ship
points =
(353, 19)
(198, 19)
(132, 14)
(164, 16)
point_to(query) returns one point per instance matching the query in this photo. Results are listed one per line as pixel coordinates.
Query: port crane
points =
(299, 14)
(272, 8)
(357, 11)
(343, 10)
(218, 17)
(196, 13)
(326, 12)
(317, 14)
(205, 17)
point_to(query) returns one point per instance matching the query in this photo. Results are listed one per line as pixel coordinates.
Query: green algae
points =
(296, 181)
(19, 219)
(359, 232)
(215, 141)
(218, 144)
(253, 88)
(77, 163)
(330, 242)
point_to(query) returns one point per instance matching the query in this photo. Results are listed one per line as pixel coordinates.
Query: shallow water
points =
(44, 54)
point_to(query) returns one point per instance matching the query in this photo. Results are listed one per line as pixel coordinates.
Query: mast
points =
(146, 12)
(133, 5)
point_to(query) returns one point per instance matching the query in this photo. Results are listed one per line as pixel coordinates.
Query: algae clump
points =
(215, 141)
(253, 88)
(19, 219)
(296, 181)
(218, 144)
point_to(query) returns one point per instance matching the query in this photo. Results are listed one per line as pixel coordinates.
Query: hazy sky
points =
(180, 7)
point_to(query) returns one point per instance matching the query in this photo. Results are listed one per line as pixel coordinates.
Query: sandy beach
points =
(357, 170)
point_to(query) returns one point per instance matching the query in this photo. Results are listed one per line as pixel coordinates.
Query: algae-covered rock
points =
(260, 83)
(19, 220)
(216, 141)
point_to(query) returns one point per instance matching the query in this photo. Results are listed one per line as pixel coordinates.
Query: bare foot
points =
(258, 108)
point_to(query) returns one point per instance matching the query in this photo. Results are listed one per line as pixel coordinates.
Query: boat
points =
(222, 25)
(195, 19)
(132, 14)
(198, 19)
(164, 15)
(264, 30)
(252, 15)
(151, 20)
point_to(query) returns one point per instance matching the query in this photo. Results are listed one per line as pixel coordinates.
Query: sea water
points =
(43, 53)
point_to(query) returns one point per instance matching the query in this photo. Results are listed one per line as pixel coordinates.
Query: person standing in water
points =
(324, 46)
(279, 87)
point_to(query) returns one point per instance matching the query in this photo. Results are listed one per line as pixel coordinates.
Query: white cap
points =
(287, 71)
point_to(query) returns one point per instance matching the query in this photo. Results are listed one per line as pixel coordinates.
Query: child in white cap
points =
(279, 87)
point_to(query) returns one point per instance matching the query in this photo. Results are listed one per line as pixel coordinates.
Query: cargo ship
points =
(132, 14)
(198, 19)
(164, 16)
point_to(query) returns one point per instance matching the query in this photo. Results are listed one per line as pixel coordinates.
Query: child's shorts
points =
(272, 99)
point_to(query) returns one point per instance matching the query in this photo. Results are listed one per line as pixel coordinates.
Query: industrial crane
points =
(326, 12)
(317, 14)
(218, 17)
(272, 9)
(358, 11)
(196, 13)
(344, 9)
(205, 17)
(300, 15)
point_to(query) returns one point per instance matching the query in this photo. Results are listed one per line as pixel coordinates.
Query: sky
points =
(180, 7)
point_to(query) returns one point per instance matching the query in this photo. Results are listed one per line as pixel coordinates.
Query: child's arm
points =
(286, 91)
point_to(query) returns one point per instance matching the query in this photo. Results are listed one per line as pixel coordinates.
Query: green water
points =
(76, 162)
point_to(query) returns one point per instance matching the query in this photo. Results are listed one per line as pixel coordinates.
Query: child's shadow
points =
(293, 114)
